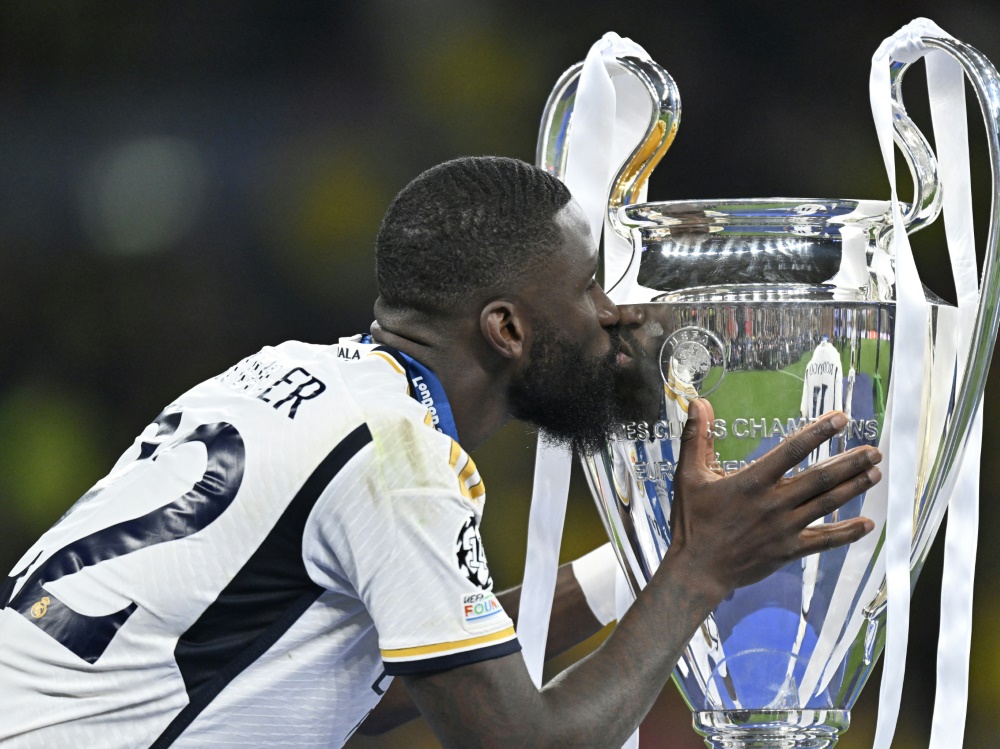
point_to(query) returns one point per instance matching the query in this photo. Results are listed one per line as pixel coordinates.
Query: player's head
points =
(502, 243)
(464, 231)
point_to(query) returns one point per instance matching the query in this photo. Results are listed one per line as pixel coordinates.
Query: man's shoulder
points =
(411, 453)
(366, 385)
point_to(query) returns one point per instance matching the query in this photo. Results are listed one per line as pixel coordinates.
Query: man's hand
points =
(727, 531)
(571, 623)
(740, 528)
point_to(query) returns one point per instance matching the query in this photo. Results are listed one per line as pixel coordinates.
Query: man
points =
(287, 536)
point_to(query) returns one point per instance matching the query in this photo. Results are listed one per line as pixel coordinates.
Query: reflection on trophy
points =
(771, 309)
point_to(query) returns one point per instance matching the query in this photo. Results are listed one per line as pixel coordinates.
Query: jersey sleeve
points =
(415, 559)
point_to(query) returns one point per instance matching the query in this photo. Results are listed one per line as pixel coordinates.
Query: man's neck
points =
(475, 393)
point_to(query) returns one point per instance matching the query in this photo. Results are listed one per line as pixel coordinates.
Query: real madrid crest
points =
(40, 607)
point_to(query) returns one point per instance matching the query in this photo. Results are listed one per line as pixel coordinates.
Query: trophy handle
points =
(627, 186)
(919, 158)
(551, 151)
(969, 388)
(665, 118)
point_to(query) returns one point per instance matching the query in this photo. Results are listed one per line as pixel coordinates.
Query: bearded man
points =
(288, 536)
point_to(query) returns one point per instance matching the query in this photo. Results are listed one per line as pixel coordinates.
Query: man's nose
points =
(631, 315)
(607, 311)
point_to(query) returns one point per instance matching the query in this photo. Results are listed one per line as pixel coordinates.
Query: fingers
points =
(829, 486)
(825, 503)
(796, 448)
(820, 538)
(853, 470)
(697, 442)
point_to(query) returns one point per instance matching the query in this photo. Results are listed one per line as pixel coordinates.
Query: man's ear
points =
(504, 327)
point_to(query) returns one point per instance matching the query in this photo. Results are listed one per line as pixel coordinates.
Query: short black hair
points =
(475, 224)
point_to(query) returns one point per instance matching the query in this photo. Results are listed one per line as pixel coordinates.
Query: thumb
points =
(697, 442)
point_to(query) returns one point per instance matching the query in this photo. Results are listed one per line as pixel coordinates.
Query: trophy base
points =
(771, 729)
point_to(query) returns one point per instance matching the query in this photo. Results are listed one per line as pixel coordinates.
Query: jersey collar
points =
(426, 389)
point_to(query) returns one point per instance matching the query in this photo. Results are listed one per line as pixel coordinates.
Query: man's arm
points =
(727, 532)
(571, 623)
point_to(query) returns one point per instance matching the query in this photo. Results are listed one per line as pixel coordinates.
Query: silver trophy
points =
(750, 304)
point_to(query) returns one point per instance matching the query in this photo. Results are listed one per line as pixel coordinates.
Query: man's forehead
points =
(577, 239)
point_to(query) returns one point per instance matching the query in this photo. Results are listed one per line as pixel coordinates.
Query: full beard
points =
(576, 400)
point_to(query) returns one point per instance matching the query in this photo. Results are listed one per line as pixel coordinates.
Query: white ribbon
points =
(853, 272)
(606, 112)
(545, 526)
(946, 84)
(904, 423)
(947, 97)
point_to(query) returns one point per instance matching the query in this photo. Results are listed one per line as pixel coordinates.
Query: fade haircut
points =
(464, 229)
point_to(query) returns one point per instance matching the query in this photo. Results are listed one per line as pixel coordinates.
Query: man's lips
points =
(624, 352)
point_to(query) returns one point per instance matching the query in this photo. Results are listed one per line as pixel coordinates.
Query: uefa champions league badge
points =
(692, 362)
(471, 557)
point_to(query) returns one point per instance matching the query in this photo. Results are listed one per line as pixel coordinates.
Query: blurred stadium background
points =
(182, 183)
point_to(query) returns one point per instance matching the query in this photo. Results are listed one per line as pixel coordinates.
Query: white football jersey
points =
(822, 389)
(270, 551)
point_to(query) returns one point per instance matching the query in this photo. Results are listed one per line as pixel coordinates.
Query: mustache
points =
(626, 340)
(616, 344)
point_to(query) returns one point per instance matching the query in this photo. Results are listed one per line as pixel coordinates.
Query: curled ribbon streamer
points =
(853, 272)
(598, 143)
(549, 493)
(946, 86)
(947, 96)
(904, 395)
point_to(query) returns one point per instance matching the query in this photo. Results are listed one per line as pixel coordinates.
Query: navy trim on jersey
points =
(90, 636)
(454, 660)
(265, 598)
(426, 389)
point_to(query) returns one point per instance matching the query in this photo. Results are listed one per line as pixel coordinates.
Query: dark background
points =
(182, 183)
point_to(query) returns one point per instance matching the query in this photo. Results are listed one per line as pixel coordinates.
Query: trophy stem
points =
(771, 729)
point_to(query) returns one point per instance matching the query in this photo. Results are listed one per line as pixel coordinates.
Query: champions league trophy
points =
(775, 311)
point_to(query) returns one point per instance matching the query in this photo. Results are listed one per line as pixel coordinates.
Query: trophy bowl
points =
(772, 310)
(780, 662)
